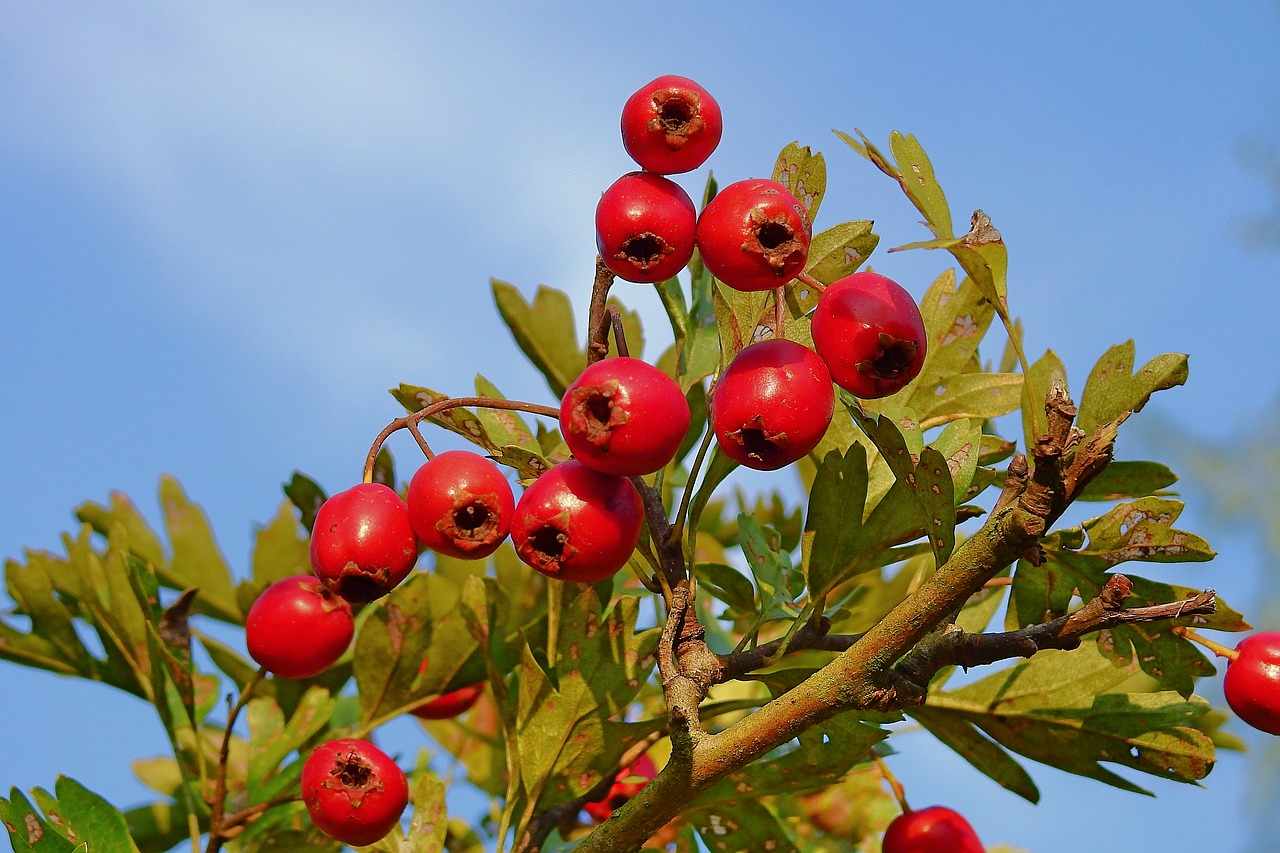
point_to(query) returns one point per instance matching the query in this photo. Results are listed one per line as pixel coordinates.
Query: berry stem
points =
(619, 333)
(998, 582)
(812, 282)
(899, 793)
(217, 825)
(597, 316)
(411, 421)
(1217, 648)
(682, 513)
(780, 312)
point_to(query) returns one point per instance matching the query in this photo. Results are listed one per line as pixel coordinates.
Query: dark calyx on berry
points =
(474, 519)
(594, 415)
(644, 250)
(894, 357)
(677, 114)
(774, 240)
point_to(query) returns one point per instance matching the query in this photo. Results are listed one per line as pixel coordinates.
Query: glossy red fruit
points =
(460, 505)
(297, 627)
(354, 792)
(446, 706)
(772, 405)
(629, 782)
(576, 524)
(623, 416)
(362, 543)
(671, 125)
(933, 830)
(753, 235)
(869, 332)
(1252, 684)
(645, 226)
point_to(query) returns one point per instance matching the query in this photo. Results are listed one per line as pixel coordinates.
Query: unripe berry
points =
(446, 706)
(576, 524)
(671, 125)
(645, 226)
(772, 405)
(623, 416)
(362, 543)
(629, 782)
(869, 332)
(297, 627)
(460, 505)
(753, 235)
(933, 830)
(1252, 684)
(353, 791)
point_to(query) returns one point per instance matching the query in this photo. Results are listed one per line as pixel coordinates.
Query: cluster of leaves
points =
(883, 500)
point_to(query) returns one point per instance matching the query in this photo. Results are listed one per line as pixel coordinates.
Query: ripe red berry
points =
(772, 405)
(629, 782)
(869, 332)
(297, 627)
(460, 505)
(576, 524)
(446, 706)
(1252, 684)
(362, 543)
(671, 125)
(645, 225)
(753, 235)
(353, 791)
(932, 830)
(624, 416)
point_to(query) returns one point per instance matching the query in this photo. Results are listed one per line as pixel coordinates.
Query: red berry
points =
(772, 405)
(753, 235)
(869, 332)
(671, 125)
(932, 830)
(576, 524)
(353, 791)
(645, 226)
(446, 706)
(1252, 684)
(629, 782)
(460, 505)
(623, 416)
(297, 627)
(362, 543)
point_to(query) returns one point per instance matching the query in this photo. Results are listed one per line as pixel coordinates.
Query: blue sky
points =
(227, 230)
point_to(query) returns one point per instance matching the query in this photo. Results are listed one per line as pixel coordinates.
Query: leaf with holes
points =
(1113, 389)
(804, 174)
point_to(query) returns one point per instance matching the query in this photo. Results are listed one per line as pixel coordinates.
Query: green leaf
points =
(503, 427)
(197, 561)
(840, 250)
(1054, 708)
(833, 524)
(804, 174)
(1128, 480)
(727, 584)
(429, 825)
(28, 830)
(699, 356)
(306, 494)
(1143, 530)
(913, 172)
(956, 319)
(673, 301)
(93, 820)
(775, 586)
(32, 590)
(737, 319)
(973, 395)
(271, 739)
(1113, 390)
(1035, 390)
(458, 420)
(985, 755)
(279, 548)
(157, 827)
(142, 539)
(746, 824)
(544, 330)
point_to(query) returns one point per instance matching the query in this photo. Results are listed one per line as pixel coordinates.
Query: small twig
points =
(780, 312)
(597, 318)
(895, 785)
(996, 583)
(412, 426)
(813, 635)
(682, 513)
(442, 406)
(810, 281)
(1215, 647)
(218, 807)
(619, 332)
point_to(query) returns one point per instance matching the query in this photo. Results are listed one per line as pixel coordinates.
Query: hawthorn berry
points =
(353, 791)
(1252, 683)
(753, 235)
(624, 416)
(362, 543)
(576, 524)
(298, 627)
(869, 332)
(671, 125)
(446, 706)
(772, 405)
(629, 782)
(460, 505)
(936, 829)
(645, 227)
